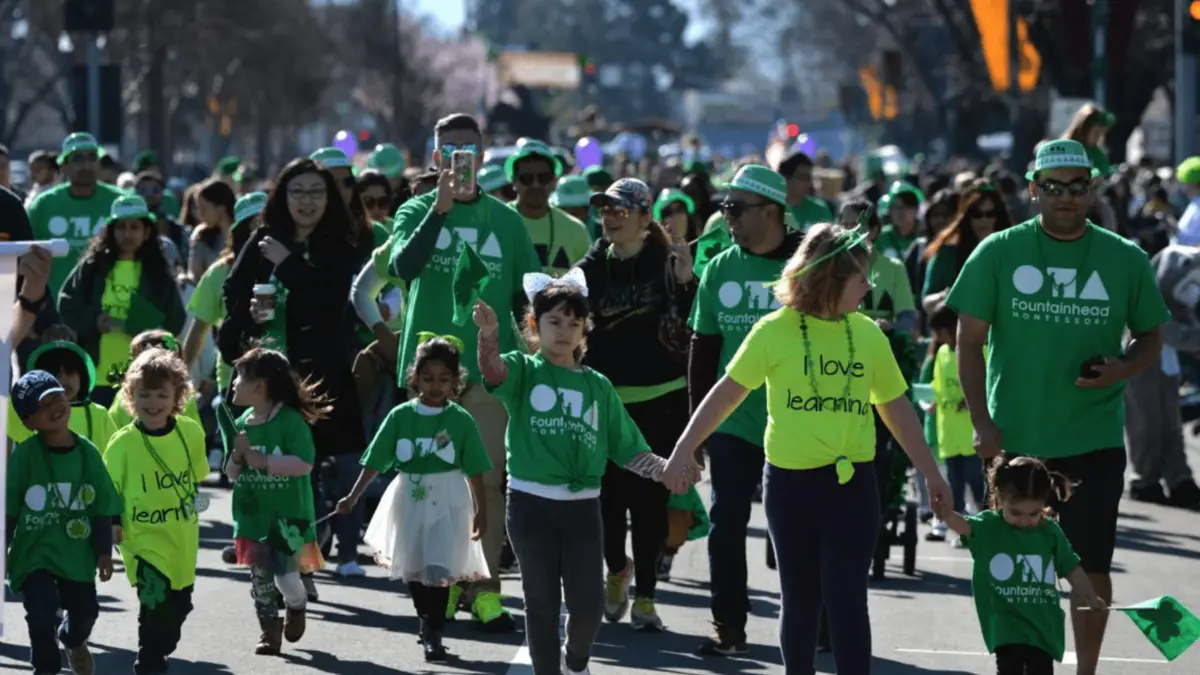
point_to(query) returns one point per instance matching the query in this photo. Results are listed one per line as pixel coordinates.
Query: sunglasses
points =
(1053, 188)
(541, 178)
(614, 211)
(372, 203)
(149, 190)
(449, 149)
(735, 209)
(980, 213)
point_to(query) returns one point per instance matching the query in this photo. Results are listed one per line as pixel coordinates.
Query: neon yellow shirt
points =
(119, 287)
(955, 435)
(811, 428)
(121, 418)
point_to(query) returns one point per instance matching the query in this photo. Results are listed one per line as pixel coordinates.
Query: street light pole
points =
(93, 83)
(1099, 49)
(1183, 126)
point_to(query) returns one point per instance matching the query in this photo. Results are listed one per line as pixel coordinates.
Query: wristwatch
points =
(32, 306)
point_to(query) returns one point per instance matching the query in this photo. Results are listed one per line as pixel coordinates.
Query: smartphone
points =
(462, 164)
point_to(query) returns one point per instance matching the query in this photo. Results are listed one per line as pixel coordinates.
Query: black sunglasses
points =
(1076, 188)
(735, 209)
(376, 202)
(542, 178)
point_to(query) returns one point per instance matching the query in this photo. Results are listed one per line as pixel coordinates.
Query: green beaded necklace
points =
(812, 367)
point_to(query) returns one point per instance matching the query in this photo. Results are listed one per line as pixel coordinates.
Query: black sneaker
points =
(1185, 495)
(431, 643)
(724, 643)
(1151, 494)
(664, 566)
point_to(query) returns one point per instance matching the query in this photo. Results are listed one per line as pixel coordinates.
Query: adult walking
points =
(1051, 299)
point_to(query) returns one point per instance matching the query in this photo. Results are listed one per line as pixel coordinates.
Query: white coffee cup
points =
(264, 296)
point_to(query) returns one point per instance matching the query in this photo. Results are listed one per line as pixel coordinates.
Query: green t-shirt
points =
(1015, 581)
(207, 304)
(89, 420)
(498, 235)
(730, 299)
(55, 214)
(265, 507)
(54, 497)
(418, 439)
(941, 270)
(560, 239)
(892, 245)
(809, 212)
(563, 424)
(891, 294)
(1052, 305)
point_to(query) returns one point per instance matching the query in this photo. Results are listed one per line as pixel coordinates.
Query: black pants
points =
(735, 468)
(159, 630)
(44, 594)
(1023, 660)
(630, 502)
(430, 603)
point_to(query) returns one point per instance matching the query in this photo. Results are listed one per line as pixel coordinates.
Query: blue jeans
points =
(736, 466)
(824, 535)
(346, 529)
(44, 594)
(963, 472)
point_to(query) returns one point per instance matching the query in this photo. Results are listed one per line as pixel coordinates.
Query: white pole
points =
(10, 252)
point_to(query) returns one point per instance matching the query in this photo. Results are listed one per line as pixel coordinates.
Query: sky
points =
(449, 13)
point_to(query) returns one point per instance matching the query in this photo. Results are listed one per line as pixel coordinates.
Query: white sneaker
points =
(563, 665)
(350, 570)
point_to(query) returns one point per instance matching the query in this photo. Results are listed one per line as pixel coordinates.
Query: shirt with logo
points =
(119, 287)
(498, 235)
(54, 495)
(560, 239)
(564, 425)
(809, 426)
(418, 439)
(264, 505)
(1015, 581)
(88, 419)
(1053, 305)
(955, 435)
(56, 214)
(731, 298)
(157, 475)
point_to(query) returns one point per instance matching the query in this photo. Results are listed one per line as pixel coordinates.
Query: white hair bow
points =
(536, 282)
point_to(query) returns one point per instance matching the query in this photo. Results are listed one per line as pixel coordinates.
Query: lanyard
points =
(184, 496)
(76, 488)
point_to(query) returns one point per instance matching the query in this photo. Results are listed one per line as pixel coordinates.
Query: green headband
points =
(844, 242)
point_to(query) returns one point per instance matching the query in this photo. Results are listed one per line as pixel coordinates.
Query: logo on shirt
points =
(408, 450)
(1025, 578)
(752, 298)
(38, 497)
(448, 248)
(78, 227)
(1059, 295)
(573, 420)
(262, 479)
(833, 375)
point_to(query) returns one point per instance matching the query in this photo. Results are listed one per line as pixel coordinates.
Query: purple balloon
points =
(346, 142)
(806, 144)
(588, 153)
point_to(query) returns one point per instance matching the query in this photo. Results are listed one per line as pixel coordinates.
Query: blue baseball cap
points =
(28, 392)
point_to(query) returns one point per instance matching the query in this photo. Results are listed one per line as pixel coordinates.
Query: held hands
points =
(1110, 372)
(273, 250)
(682, 470)
(480, 525)
(345, 505)
(940, 496)
(105, 566)
(485, 319)
(444, 199)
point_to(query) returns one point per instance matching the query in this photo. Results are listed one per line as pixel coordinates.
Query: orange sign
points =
(991, 18)
(881, 99)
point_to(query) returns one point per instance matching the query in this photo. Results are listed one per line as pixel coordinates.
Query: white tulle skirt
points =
(422, 530)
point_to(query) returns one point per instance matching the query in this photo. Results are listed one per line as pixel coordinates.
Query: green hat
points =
(1188, 171)
(144, 160)
(762, 181)
(531, 148)
(330, 158)
(572, 192)
(898, 188)
(491, 178)
(1061, 154)
(597, 178)
(669, 195)
(227, 166)
(89, 366)
(128, 207)
(387, 160)
(248, 206)
(78, 141)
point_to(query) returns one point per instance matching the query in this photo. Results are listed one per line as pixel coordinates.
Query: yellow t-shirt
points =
(157, 489)
(98, 432)
(119, 287)
(955, 436)
(121, 418)
(809, 429)
(561, 240)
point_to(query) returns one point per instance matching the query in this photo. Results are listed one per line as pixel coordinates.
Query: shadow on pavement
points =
(924, 583)
(214, 535)
(117, 660)
(324, 662)
(366, 618)
(881, 666)
(667, 652)
(1146, 541)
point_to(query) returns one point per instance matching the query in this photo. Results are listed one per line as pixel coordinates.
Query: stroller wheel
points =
(910, 540)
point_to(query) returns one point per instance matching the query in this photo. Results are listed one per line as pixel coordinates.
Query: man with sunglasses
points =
(74, 210)
(149, 186)
(428, 234)
(561, 240)
(731, 298)
(1050, 299)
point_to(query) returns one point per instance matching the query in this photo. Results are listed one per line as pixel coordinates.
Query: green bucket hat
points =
(530, 148)
(227, 166)
(1188, 172)
(1061, 154)
(128, 207)
(598, 179)
(762, 181)
(387, 160)
(572, 192)
(248, 206)
(491, 178)
(77, 142)
(900, 187)
(667, 197)
(331, 158)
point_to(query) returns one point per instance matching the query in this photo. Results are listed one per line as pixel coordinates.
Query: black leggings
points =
(1023, 660)
(661, 421)
(430, 603)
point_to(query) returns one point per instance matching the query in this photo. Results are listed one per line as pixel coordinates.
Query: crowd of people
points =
(522, 367)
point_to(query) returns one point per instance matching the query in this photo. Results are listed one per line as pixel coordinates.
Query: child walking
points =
(60, 506)
(427, 527)
(566, 422)
(156, 465)
(76, 373)
(1020, 554)
(273, 511)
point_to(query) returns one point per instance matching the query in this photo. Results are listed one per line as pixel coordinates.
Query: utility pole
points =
(1187, 32)
(1099, 49)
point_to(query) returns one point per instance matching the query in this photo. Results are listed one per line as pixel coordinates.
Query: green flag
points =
(143, 315)
(225, 423)
(708, 246)
(1166, 623)
(470, 278)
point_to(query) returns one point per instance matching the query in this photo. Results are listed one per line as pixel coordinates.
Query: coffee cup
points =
(264, 300)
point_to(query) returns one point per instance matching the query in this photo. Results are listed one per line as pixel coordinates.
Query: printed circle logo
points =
(87, 494)
(730, 294)
(444, 239)
(404, 450)
(35, 498)
(58, 226)
(1001, 567)
(543, 398)
(1028, 279)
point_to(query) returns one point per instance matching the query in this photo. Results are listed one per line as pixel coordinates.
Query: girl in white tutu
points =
(428, 524)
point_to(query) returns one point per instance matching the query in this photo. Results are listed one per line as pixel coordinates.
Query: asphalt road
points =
(922, 624)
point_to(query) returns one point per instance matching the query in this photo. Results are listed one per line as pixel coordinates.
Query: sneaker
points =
(81, 661)
(452, 606)
(566, 670)
(938, 533)
(1151, 494)
(1186, 495)
(664, 566)
(616, 593)
(724, 642)
(310, 587)
(351, 570)
(490, 615)
(644, 617)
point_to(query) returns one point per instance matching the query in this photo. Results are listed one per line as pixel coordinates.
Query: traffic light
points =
(792, 130)
(366, 139)
(586, 65)
(1189, 28)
